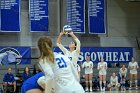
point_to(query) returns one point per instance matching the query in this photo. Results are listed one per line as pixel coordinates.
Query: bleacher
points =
(18, 70)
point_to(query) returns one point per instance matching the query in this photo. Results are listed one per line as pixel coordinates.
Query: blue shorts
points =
(26, 87)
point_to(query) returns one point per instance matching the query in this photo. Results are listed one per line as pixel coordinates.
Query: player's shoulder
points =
(59, 55)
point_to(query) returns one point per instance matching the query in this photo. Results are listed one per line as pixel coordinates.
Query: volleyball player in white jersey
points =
(88, 66)
(133, 66)
(58, 68)
(123, 73)
(102, 67)
(114, 82)
(74, 48)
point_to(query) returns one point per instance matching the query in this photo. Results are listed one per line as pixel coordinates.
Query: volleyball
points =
(67, 29)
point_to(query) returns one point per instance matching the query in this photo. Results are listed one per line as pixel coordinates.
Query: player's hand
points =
(62, 33)
(71, 33)
(52, 91)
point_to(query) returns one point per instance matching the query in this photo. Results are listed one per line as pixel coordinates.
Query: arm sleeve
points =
(41, 81)
(106, 65)
(62, 48)
(111, 80)
(46, 67)
(78, 45)
(129, 65)
(137, 65)
(92, 64)
(116, 80)
(83, 65)
(23, 77)
(74, 71)
(4, 78)
(13, 79)
(126, 72)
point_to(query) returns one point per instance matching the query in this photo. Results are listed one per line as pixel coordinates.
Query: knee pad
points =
(104, 82)
(136, 81)
(41, 80)
(90, 81)
(86, 81)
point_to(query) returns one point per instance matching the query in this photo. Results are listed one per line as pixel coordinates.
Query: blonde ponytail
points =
(45, 47)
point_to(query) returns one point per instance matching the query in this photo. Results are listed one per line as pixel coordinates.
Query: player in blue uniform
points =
(32, 85)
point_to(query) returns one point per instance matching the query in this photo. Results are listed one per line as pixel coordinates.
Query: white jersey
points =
(74, 55)
(88, 67)
(63, 72)
(123, 72)
(133, 67)
(113, 81)
(102, 67)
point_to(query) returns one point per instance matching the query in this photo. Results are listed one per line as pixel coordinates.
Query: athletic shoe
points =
(104, 89)
(86, 90)
(101, 89)
(90, 89)
(136, 87)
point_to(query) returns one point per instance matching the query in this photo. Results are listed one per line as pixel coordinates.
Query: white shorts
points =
(90, 72)
(133, 72)
(74, 88)
(102, 72)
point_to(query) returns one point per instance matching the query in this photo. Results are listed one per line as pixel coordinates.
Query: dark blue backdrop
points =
(110, 55)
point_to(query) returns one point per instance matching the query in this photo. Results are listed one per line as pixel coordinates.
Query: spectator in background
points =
(9, 79)
(27, 74)
(114, 82)
(123, 72)
(88, 66)
(133, 66)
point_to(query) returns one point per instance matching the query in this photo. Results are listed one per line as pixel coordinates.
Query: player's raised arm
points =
(59, 44)
(78, 44)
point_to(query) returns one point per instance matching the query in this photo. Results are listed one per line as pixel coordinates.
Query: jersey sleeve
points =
(62, 48)
(126, 72)
(129, 65)
(98, 67)
(111, 80)
(74, 71)
(78, 45)
(83, 65)
(41, 81)
(91, 64)
(137, 65)
(117, 80)
(106, 65)
(47, 69)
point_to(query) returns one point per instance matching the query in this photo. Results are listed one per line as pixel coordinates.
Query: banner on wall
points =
(110, 55)
(38, 10)
(10, 15)
(15, 55)
(76, 15)
(96, 16)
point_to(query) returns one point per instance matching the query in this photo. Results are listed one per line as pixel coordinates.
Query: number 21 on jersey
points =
(61, 62)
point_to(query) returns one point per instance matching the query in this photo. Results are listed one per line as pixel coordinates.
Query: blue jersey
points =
(31, 83)
(25, 76)
(8, 77)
